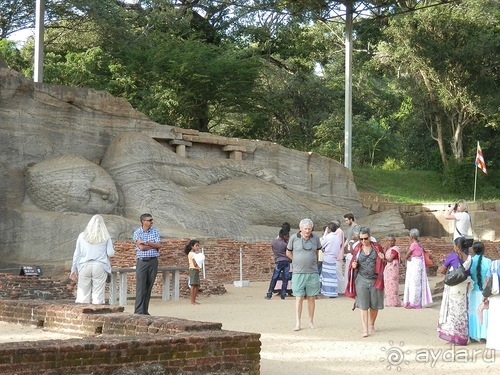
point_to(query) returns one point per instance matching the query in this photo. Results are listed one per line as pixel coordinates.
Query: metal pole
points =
(475, 180)
(39, 30)
(241, 266)
(203, 252)
(348, 86)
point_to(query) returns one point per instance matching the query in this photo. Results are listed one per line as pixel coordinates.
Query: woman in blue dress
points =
(479, 267)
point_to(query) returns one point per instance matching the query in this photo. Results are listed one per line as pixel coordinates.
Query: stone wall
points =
(33, 287)
(222, 266)
(222, 261)
(429, 219)
(223, 256)
(113, 342)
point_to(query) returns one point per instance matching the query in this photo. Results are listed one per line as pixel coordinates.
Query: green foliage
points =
(411, 186)
(458, 178)
(15, 16)
(288, 110)
(274, 70)
(391, 164)
(196, 85)
(12, 55)
(401, 185)
(446, 58)
(153, 58)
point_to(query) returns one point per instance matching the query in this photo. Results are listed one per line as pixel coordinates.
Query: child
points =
(194, 269)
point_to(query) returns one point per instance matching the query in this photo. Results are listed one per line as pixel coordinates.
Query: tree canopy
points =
(425, 74)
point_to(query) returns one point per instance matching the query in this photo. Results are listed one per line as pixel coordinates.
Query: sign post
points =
(30, 271)
(241, 283)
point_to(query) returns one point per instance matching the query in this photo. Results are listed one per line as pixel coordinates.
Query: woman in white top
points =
(91, 264)
(462, 219)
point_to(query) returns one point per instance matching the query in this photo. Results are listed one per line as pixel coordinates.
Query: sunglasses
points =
(306, 245)
(364, 238)
(148, 220)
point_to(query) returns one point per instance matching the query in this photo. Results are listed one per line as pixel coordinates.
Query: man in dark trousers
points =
(282, 264)
(147, 245)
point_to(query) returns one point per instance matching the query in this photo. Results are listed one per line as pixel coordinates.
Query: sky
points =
(21, 36)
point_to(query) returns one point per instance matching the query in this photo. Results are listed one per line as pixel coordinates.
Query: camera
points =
(454, 205)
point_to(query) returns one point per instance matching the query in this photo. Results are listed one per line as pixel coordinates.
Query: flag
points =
(479, 159)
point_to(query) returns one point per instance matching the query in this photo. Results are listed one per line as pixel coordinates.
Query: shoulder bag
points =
(455, 276)
(427, 259)
(492, 287)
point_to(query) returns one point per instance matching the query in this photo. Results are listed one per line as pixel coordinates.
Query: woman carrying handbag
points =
(453, 323)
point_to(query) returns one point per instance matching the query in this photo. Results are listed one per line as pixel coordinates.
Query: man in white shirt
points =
(458, 213)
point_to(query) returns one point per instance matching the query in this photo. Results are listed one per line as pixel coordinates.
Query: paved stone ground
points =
(406, 340)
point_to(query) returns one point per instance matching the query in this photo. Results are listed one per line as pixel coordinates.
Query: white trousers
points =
(91, 283)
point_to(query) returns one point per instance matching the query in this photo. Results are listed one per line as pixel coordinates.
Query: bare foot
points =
(195, 303)
(311, 325)
(365, 334)
(297, 328)
(371, 330)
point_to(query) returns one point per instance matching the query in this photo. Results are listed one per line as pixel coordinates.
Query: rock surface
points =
(67, 153)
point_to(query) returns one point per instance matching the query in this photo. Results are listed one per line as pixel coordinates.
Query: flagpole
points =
(479, 163)
(475, 181)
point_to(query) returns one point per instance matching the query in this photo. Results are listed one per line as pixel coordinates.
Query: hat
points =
(199, 258)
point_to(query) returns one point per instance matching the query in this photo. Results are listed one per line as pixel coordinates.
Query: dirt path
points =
(406, 340)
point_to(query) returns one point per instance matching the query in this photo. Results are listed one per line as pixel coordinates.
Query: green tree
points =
(447, 58)
(16, 15)
(155, 55)
(13, 56)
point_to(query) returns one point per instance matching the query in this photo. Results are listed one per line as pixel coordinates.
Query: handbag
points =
(455, 276)
(427, 259)
(487, 289)
(492, 286)
(350, 290)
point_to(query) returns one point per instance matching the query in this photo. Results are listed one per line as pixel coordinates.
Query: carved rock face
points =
(71, 184)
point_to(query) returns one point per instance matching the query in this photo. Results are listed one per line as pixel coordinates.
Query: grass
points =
(407, 186)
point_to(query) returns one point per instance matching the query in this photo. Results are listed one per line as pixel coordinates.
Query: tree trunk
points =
(457, 145)
(200, 117)
(439, 138)
(435, 120)
(459, 121)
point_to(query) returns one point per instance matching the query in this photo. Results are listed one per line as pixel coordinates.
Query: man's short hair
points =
(145, 216)
(306, 223)
(349, 216)
(333, 226)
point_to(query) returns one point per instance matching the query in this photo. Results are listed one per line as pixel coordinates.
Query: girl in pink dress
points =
(391, 273)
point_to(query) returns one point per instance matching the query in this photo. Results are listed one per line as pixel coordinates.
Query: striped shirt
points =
(151, 235)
